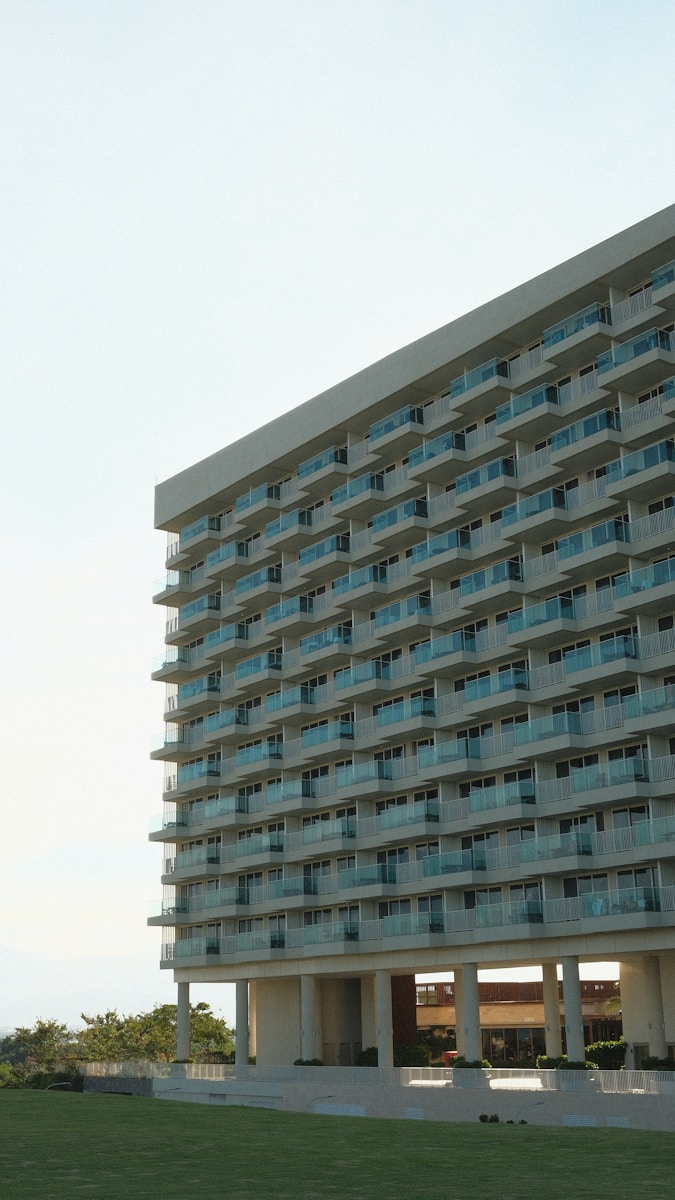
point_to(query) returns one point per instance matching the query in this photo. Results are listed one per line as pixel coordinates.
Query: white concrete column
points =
(252, 1047)
(459, 1012)
(574, 1024)
(310, 1032)
(652, 999)
(183, 1022)
(241, 1025)
(385, 1028)
(551, 1010)
(473, 1048)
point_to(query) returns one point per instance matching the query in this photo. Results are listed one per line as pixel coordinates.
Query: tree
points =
(152, 1036)
(47, 1045)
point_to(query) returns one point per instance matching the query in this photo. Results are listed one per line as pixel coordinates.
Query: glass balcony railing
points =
(290, 789)
(374, 573)
(641, 460)
(606, 419)
(406, 924)
(197, 947)
(226, 633)
(495, 368)
(288, 608)
(410, 607)
(353, 774)
(648, 703)
(547, 393)
(367, 876)
(533, 505)
(221, 806)
(230, 550)
(260, 939)
(203, 604)
(539, 614)
(334, 454)
(259, 843)
(405, 416)
(197, 527)
(261, 753)
(600, 653)
(204, 769)
(440, 544)
(405, 710)
(270, 661)
(456, 642)
(522, 912)
(558, 845)
(330, 732)
(287, 698)
(615, 530)
(646, 578)
(437, 445)
(497, 469)
(449, 752)
(362, 673)
(501, 572)
(664, 275)
(196, 687)
(338, 635)
(300, 518)
(448, 864)
(410, 814)
(494, 685)
(554, 725)
(595, 314)
(324, 831)
(330, 931)
(226, 720)
(503, 795)
(393, 516)
(620, 902)
(299, 885)
(266, 491)
(339, 543)
(199, 856)
(258, 579)
(625, 352)
(610, 774)
(358, 487)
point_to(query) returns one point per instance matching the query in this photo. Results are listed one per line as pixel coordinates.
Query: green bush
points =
(307, 1062)
(576, 1065)
(610, 1056)
(547, 1062)
(367, 1057)
(472, 1063)
(652, 1063)
(411, 1056)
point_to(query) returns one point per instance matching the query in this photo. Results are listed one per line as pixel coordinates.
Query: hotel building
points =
(419, 672)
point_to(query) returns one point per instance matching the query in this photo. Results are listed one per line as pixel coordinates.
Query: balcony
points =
(444, 544)
(322, 463)
(338, 639)
(578, 338)
(401, 427)
(401, 610)
(228, 638)
(290, 530)
(448, 753)
(542, 401)
(292, 612)
(452, 863)
(330, 732)
(201, 614)
(663, 276)
(485, 799)
(220, 722)
(198, 690)
(563, 725)
(486, 481)
(207, 529)
(196, 771)
(271, 660)
(479, 386)
(259, 939)
(457, 642)
(290, 698)
(508, 571)
(367, 676)
(634, 465)
(600, 654)
(604, 536)
(362, 580)
(258, 579)
(360, 496)
(401, 815)
(490, 686)
(295, 793)
(407, 511)
(268, 495)
(227, 559)
(406, 710)
(571, 436)
(261, 754)
(647, 579)
(638, 363)
(327, 831)
(361, 774)
(330, 931)
(199, 856)
(434, 460)
(259, 844)
(546, 505)
(412, 924)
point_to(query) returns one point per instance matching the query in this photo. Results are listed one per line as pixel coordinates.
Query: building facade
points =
(420, 668)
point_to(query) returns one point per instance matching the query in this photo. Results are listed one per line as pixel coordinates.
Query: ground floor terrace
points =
(333, 1009)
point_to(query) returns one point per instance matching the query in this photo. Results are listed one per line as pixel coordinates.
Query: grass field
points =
(55, 1145)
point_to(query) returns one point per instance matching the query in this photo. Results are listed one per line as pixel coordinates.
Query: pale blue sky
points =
(212, 211)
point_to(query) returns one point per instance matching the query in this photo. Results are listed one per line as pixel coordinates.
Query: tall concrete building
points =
(419, 669)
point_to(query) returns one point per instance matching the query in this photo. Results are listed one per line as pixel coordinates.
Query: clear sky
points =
(212, 210)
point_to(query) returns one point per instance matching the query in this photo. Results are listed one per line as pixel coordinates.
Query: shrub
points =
(610, 1056)
(367, 1057)
(652, 1063)
(411, 1056)
(473, 1063)
(576, 1065)
(547, 1062)
(308, 1062)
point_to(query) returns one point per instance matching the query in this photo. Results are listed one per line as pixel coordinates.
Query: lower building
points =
(419, 672)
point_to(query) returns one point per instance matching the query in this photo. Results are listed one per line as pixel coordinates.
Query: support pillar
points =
(383, 1009)
(551, 1010)
(310, 1032)
(653, 1007)
(459, 1013)
(241, 1025)
(473, 1048)
(574, 1024)
(183, 1022)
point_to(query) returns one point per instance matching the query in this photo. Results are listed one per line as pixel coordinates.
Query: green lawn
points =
(55, 1145)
